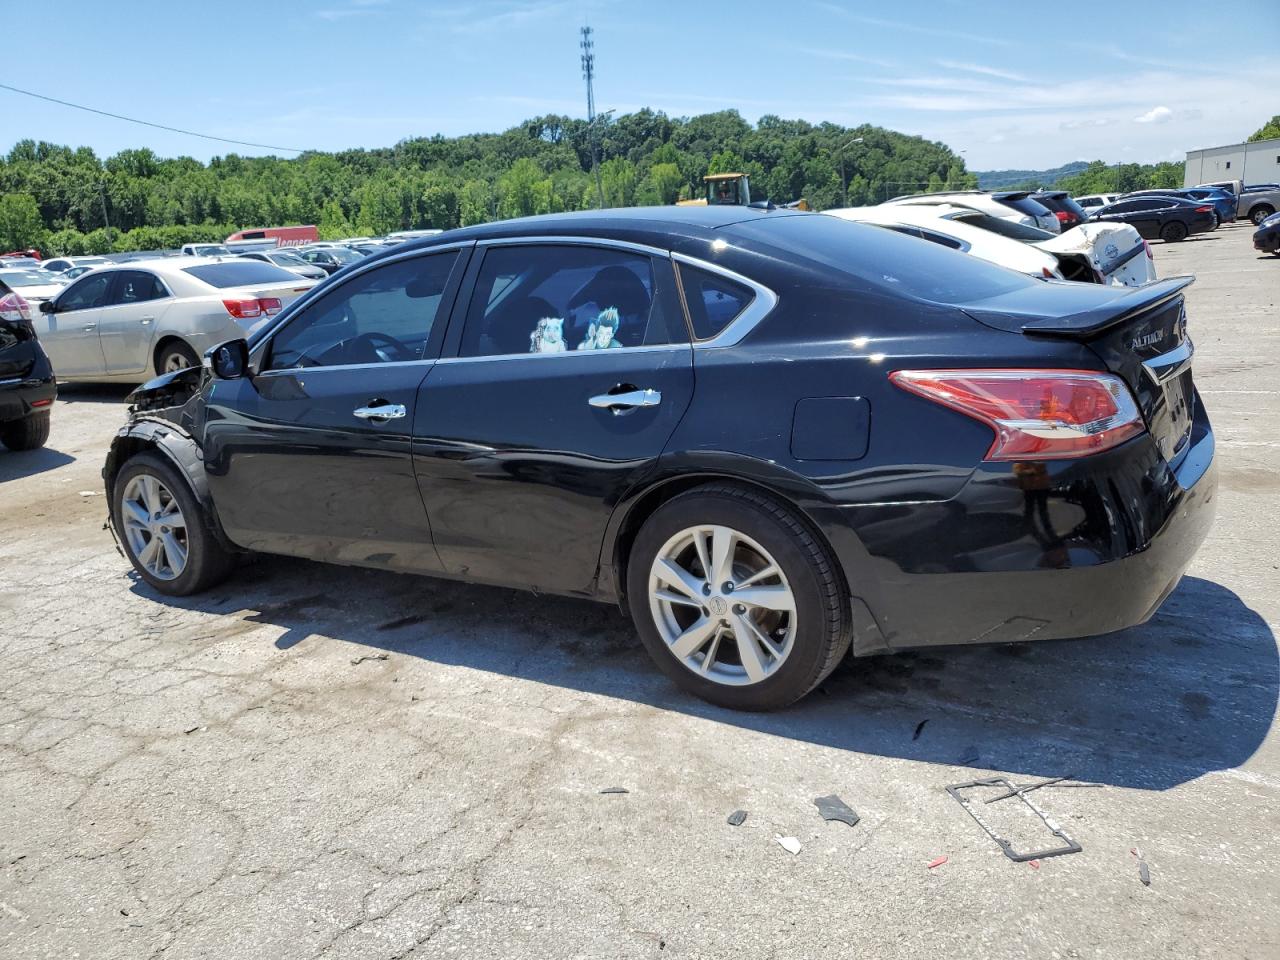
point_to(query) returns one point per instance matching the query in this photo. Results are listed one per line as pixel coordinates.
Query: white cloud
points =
(1155, 115)
(982, 69)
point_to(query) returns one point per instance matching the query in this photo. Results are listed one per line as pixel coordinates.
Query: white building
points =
(1257, 162)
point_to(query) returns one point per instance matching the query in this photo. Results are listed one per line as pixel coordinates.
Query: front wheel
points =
(164, 530)
(30, 432)
(735, 598)
(1173, 232)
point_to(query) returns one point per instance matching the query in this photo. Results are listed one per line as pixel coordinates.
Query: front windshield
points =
(343, 255)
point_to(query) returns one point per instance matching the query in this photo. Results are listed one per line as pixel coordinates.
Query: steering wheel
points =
(387, 347)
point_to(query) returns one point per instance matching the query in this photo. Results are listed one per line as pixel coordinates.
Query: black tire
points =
(1260, 213)
(822, 634)
(1173, 231)
(30, 432)
(208, 562)
(178, 352)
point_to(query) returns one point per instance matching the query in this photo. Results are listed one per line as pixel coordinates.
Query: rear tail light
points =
(1063, 216)
(14, 308)
(1204, 209)
(251, 309)
(42, 403)
(1036, 414)
(1146, 246)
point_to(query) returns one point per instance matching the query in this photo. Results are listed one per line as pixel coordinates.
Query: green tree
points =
(1268, 131)
(523, 190)
(20, 223)
(334, 224)
(618, 177)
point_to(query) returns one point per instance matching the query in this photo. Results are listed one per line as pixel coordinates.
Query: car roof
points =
(641, 224)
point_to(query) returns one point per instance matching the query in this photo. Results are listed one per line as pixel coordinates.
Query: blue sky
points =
(1021, 85)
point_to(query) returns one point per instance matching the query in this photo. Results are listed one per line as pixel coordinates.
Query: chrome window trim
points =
(297, 306)
(646, 348)
(307, 371)
(761, 305)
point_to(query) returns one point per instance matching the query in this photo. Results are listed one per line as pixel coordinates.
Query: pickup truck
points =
(1257, 205)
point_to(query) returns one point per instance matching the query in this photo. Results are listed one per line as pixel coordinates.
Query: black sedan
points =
(329, 259)
(1161, 218)
(1267, 237)
(770, 435)
(27, 386)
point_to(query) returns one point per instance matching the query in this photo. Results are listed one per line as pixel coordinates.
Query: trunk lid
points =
(1116, 251)
(1140, 334)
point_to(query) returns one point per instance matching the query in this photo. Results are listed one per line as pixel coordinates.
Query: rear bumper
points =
(17, 394)
(1037, 551)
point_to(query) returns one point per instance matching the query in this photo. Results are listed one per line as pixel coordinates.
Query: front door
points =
(313, 455)
(573, 369)
(128, 321)
(70, 333)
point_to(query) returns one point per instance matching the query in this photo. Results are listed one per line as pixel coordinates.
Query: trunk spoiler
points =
(1087, 323)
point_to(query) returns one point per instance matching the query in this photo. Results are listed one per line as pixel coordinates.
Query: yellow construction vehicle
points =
(729, 189)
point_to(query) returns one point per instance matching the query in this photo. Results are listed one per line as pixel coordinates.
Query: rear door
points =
(312, 455)
(571, 368)
(127, 320)
(70, 333)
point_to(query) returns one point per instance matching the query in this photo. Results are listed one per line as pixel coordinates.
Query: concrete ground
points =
(324, 762)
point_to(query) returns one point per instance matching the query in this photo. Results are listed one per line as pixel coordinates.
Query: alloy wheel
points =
(154, 527)
(175, 361)
(722, 605)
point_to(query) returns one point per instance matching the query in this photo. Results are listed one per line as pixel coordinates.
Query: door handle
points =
(146, 320)
(90, 327)
(385, 411)
(617, 402)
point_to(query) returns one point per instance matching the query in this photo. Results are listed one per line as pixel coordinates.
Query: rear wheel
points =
(164, 530)
(175, 355)
(1260, 213)
(30, 432)
(735, 599)
(1173, 232)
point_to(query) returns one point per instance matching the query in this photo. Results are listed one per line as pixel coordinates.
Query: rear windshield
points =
(884, 259)
(1006, 228)
(241, 273)
(1027, 206)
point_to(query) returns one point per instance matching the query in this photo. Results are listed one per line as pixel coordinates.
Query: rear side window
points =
(1025, 206)
(713, 300)
(137, 286)
(931, 236)
(559, 298)
(240, 273)
(383, 316)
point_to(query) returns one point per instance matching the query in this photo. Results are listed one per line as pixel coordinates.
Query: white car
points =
(1093, 202)
(1092, 252)
(286, 259)
(131, 321)
(63, 264)
(32, 284)
(1015, 205)
(205, 250)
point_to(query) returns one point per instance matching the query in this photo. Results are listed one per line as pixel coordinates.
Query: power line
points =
(148, 123)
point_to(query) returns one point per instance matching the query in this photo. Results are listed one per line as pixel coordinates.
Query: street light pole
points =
(844, 183)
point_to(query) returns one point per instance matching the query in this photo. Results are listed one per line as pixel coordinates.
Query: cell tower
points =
(589, 71)
(593, 132)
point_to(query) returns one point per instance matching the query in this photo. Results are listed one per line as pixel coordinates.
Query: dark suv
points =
(27, 387)
(1069, 213)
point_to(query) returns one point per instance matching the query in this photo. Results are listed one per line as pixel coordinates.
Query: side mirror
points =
(229, 360)
(47, 306)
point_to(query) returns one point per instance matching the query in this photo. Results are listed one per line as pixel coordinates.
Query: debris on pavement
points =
(919, 729)
(1034, 864)
(737, 817)
(789, 844)
(192, 729)
(1019, 791)
(1068, 845)
(833, 808)
(1144, 872)
(615, 790)
(372, 656)
(936, 862)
